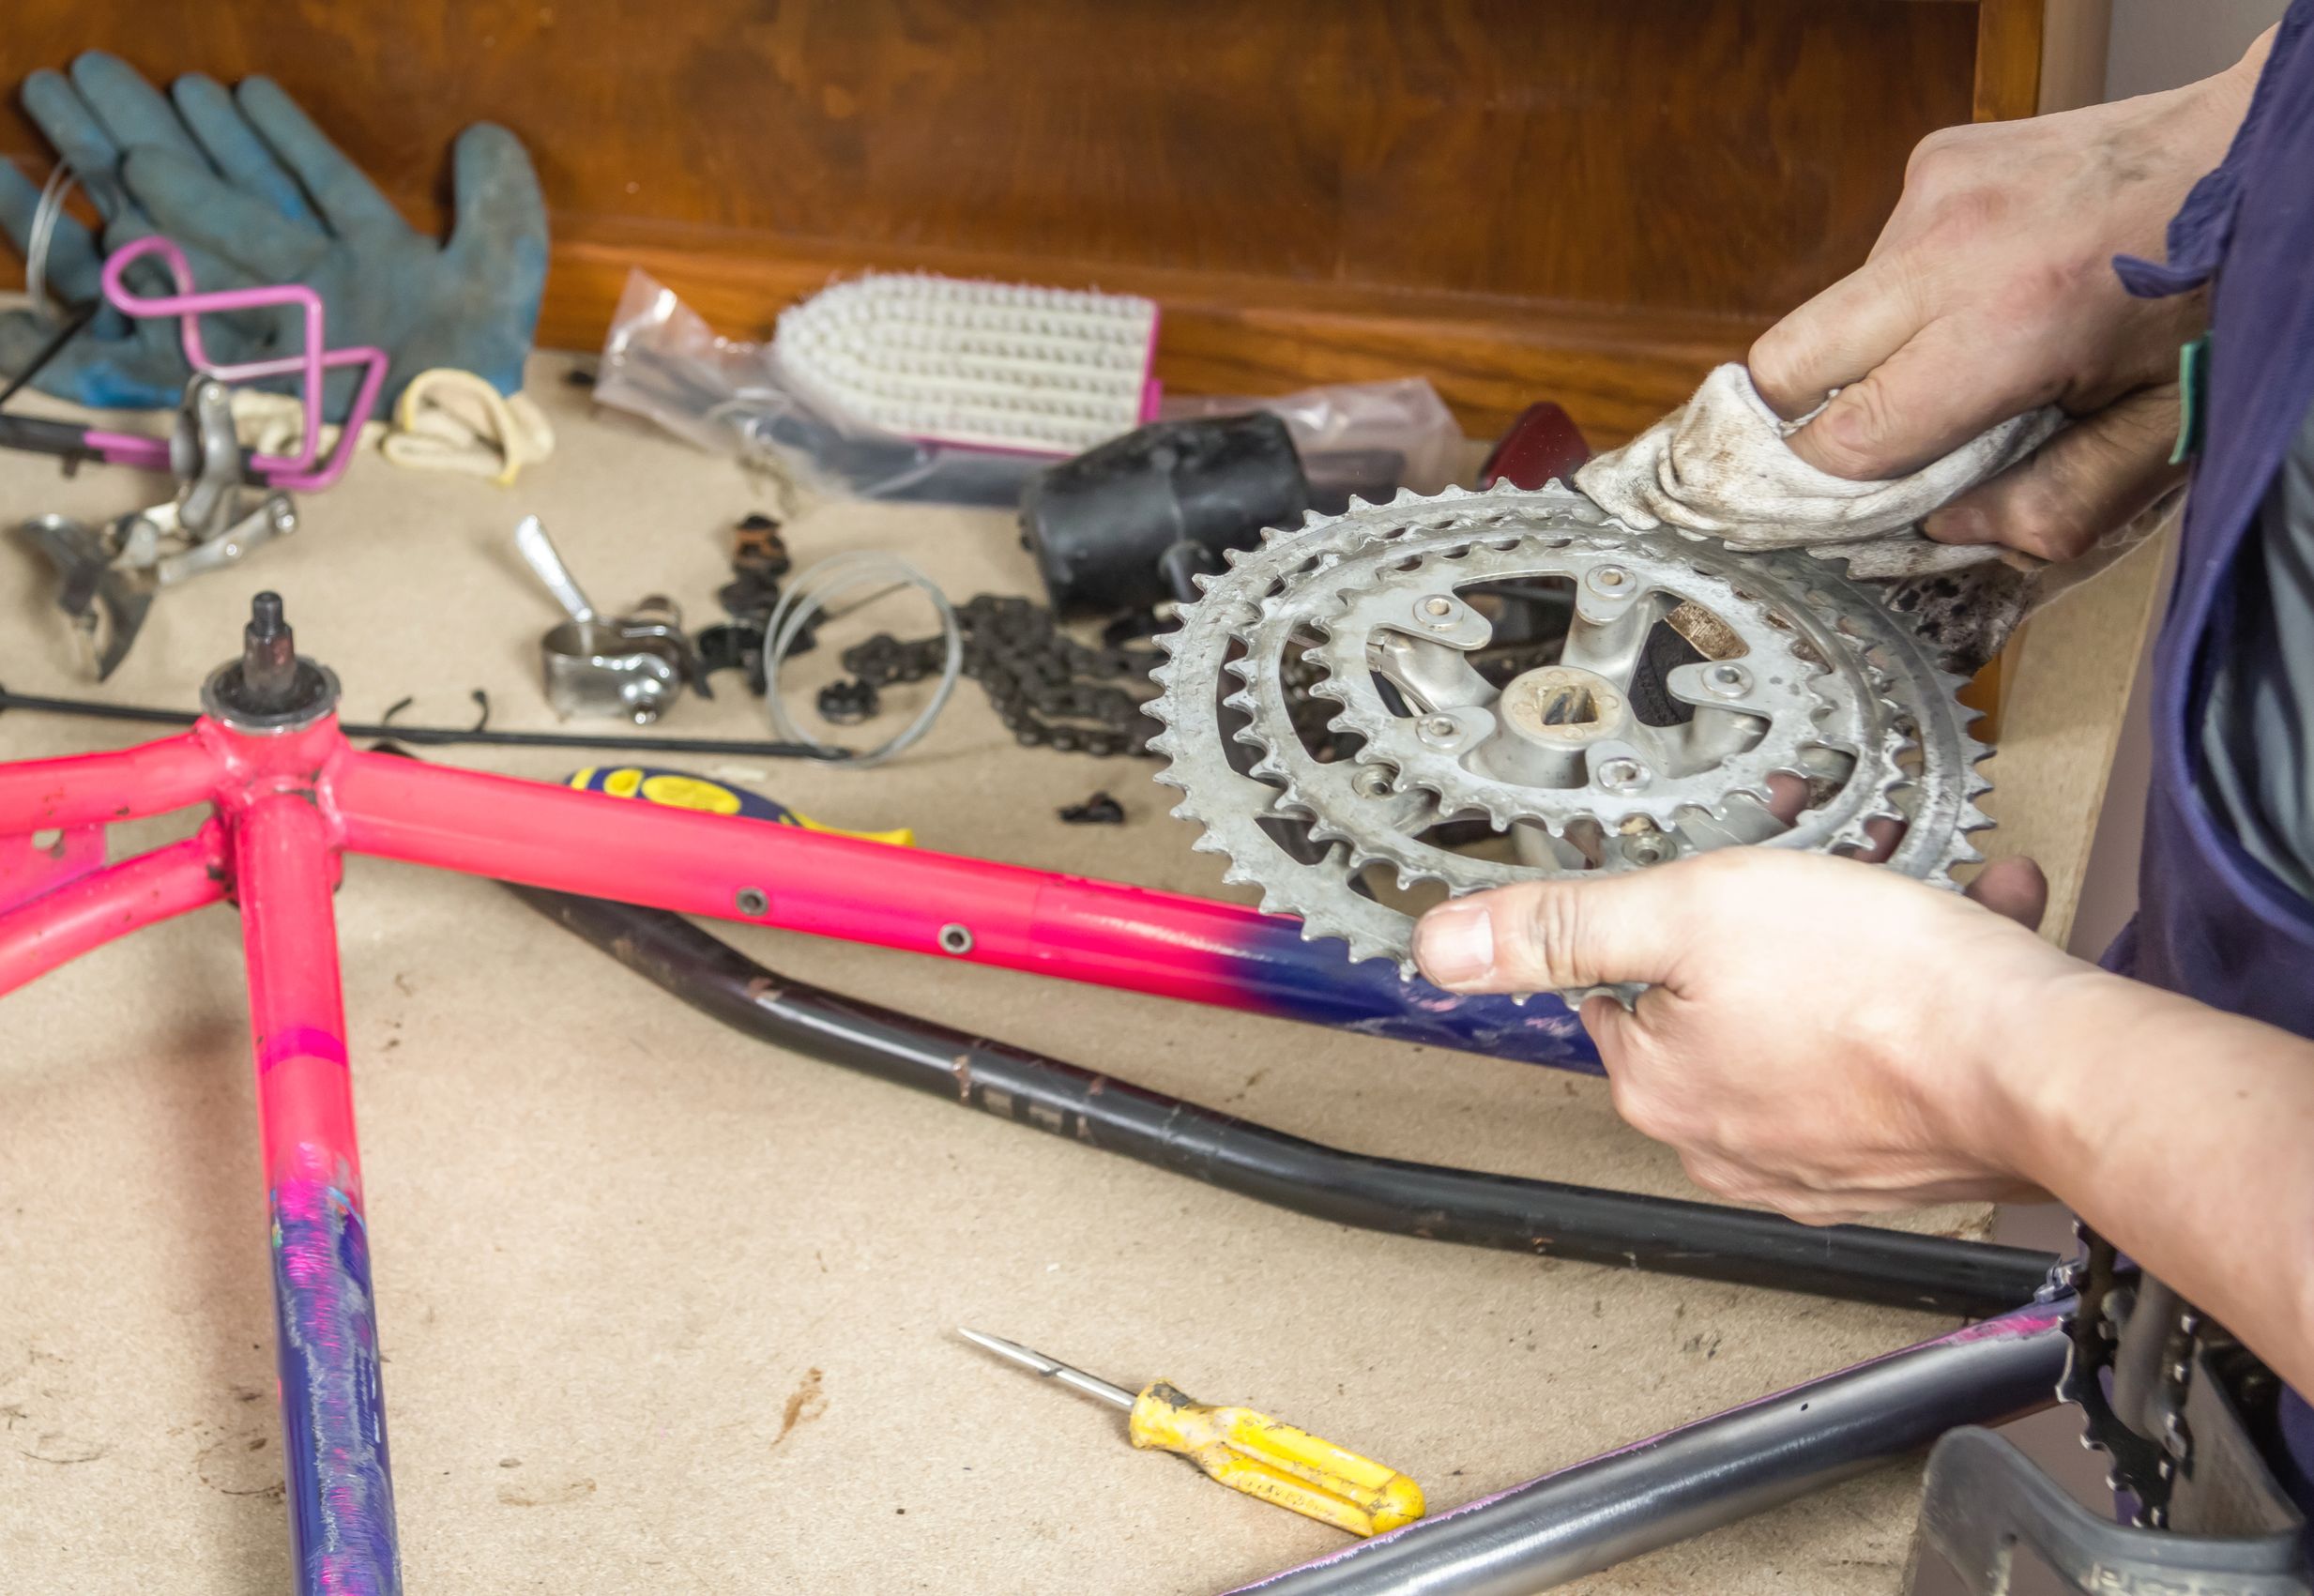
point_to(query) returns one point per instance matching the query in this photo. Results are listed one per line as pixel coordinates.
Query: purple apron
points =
(2212, 921)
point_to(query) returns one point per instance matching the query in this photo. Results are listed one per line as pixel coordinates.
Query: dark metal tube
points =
(1609, 1509)
(1539, 1217)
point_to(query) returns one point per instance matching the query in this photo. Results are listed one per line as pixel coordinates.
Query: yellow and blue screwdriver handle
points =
(679, 789)
(1271, 1459)
(1244, 1450)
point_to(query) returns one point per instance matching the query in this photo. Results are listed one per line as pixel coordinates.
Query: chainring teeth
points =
(1876, 687)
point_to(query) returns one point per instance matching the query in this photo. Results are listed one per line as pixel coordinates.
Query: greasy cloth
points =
(1720, 466)
(452, 420)
(446, 420)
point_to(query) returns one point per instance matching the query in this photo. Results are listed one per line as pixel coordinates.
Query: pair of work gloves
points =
(257, 194)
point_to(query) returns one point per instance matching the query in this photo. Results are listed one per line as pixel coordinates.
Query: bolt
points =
(1611, 579)
(269, 657)
(1373, 781)
(1622, 775)
(1438, 613)
(752, 901)
(1647, 850)
(955, 938)
(1437, 728)
(1728, 681)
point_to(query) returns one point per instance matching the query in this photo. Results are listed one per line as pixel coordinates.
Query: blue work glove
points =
(255, 193)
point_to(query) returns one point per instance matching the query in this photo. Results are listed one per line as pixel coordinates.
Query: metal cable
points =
(807, 598)
(41, 234)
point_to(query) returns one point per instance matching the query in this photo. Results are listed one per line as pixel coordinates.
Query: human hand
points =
(255, 192)
(1991, 292)
(1816, 1034)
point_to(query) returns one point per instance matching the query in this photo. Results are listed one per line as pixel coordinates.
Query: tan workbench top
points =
(668, 1311)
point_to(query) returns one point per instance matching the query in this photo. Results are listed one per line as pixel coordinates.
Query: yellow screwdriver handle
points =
(1255, 1453)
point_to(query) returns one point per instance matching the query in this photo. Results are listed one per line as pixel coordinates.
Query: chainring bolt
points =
(1439, 613)
(1612, 580)
(1371, 783)
(1621, 775)
(1728, 681)
(1437, 729)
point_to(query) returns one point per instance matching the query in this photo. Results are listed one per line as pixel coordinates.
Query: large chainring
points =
(1698, 698)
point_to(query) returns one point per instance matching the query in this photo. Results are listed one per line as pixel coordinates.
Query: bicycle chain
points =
(1048, 689)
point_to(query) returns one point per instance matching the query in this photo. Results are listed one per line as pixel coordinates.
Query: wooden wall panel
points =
(1526, 181)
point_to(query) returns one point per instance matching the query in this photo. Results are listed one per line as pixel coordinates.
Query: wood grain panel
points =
(1334, 164)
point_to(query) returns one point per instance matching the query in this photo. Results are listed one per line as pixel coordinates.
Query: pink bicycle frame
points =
(291, 796)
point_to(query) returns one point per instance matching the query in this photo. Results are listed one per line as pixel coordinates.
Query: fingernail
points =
(1455, 944)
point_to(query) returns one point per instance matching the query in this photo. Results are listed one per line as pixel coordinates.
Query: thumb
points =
(2087, 479)
(1562, 936)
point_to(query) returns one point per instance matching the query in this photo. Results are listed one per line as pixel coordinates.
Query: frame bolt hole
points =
(752, 901)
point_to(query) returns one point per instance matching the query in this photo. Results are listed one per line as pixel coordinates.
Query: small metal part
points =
(1052, 1369)
(1099, 809)
(759, 562)
(269, 656)
(955, 938)
(1621, 775)
(546, 563)
(752, 901)
(271, 689)
(628, 667)
(848, 701)
(110, 575)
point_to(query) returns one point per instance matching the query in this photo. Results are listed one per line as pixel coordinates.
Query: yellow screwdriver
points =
(1245, 1451)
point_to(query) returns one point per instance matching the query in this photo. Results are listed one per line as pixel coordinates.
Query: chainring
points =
(1701, 698)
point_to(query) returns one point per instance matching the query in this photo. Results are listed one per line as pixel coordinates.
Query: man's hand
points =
(1816, 1034)
(1991, 292)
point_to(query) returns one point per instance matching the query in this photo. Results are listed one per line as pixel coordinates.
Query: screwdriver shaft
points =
(1075, 1379)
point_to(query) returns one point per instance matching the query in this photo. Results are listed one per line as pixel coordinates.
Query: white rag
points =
(1719, 465)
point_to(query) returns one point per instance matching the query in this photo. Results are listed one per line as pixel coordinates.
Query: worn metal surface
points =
(1701, 1476)
(1791, 709)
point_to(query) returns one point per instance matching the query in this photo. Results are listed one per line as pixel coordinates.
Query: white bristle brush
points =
(987, 364)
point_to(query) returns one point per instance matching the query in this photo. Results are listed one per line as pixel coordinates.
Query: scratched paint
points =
(333, 1409)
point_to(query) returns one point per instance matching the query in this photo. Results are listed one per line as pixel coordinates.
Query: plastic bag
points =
(663, 361)
(1366, 438)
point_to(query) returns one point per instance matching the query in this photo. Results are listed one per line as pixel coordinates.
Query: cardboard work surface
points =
(668, 1310)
